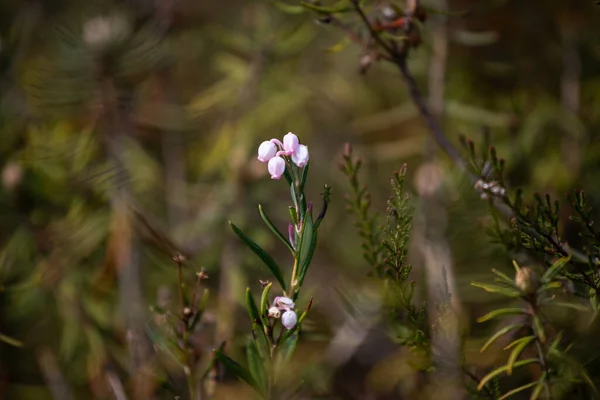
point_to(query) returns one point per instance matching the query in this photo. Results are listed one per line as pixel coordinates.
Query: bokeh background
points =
(129, 130)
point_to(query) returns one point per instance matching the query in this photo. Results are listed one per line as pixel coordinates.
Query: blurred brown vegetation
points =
(129, 132)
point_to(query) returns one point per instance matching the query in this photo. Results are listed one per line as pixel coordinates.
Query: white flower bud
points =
(290, 143)
(300, 156)
(289, 319)
(276, 167)
(274, 312)
(266, 151)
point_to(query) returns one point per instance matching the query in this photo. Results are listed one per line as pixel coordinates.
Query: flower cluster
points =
(278, 154)
(289, 318)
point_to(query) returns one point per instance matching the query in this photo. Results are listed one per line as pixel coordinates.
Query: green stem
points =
(294, 272)
(539, 347)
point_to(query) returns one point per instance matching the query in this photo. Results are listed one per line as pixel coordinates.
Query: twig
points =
(399, 58)
(116, 385)
(54, 378)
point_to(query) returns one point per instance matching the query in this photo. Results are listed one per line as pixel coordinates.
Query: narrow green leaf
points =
(256, 366)
(308, 259)
(539, 328)
(166, 346)
(201, 308)
(266, 258)
(327, 10)
(556, 341)
(204, 300)
(286, 349)
(502, 369)
(574, 306)
(304, 176)
(236, 369)
(293, 215)
(288, 8)
(336, 48)
(555, 269)
(514, 355)
(306, 250)
(510, 292)
(538, 389)
(264, 299)
(274, 229)
(516, 342)
(213, 361)
(251, 306)
(518, 390)
(550, 286)
(295, 198)
(502, 277)
(497, 335)
(304, 246)
(501, 312)
(288, 176)
(9, 340)
(570, 361)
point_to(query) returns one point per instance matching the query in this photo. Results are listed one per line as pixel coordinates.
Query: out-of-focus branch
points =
(123, 246)
(116, 385)
(54, 378)
(431, 227)
(398, 56)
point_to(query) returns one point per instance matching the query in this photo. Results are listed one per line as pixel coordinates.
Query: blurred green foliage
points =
(187, 90)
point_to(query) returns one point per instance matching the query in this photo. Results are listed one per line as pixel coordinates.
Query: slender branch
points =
(399, 58)
(180, 280)
(539, 347)
(53, 375)
(372, 32)
(116, 385)
(430, 120)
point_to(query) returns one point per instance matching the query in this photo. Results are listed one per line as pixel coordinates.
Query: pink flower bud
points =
(289, 319)
(266, 151)
(290, 143)
(291, 235)
(274, 312)
(300, 156)
(276, 167)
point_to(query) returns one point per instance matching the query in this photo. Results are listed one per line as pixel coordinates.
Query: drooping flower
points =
(276, 167)
(283, 303)
(290, 143)
(300, 156)
(266, 151)
(289, 319)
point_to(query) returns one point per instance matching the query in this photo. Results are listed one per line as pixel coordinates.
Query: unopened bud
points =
(274, 312)
(526, 280)
(289, 319)
(202, 274)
